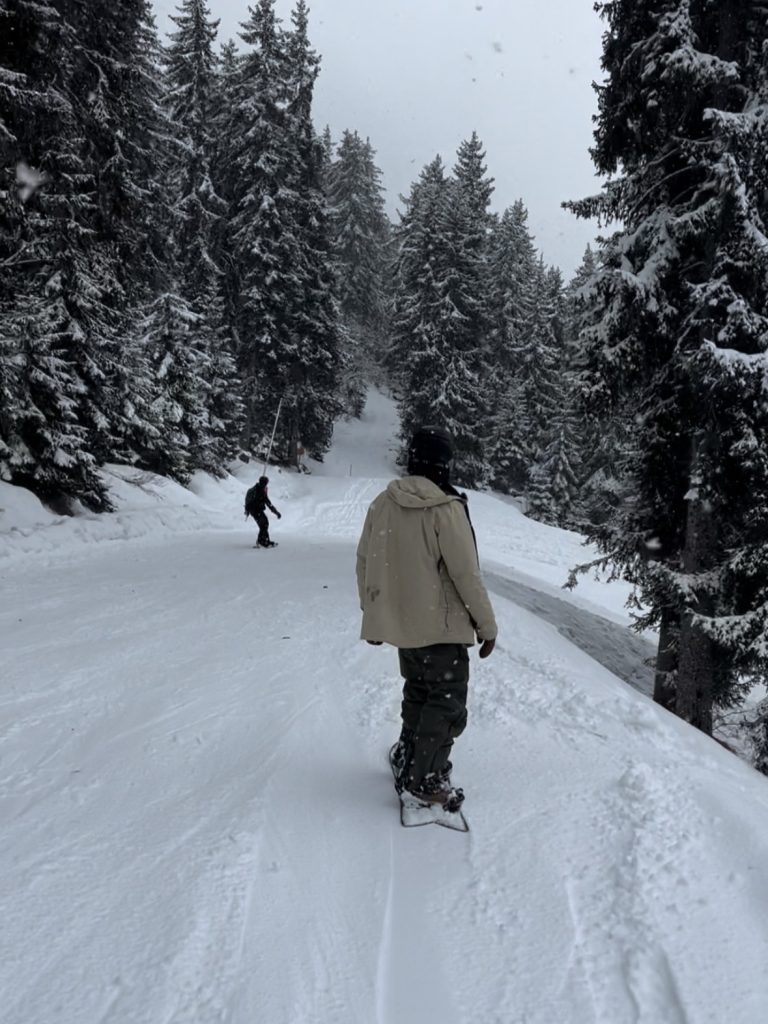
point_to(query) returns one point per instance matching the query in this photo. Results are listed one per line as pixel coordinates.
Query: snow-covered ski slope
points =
(198, 823)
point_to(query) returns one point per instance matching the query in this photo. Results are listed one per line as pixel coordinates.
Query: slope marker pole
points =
(274, 431)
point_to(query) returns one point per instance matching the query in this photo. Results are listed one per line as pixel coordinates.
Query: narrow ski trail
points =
(198, 819)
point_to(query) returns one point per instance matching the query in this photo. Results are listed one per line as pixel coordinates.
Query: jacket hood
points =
(418, 492)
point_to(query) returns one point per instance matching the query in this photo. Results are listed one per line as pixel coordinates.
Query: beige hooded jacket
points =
(417, 572)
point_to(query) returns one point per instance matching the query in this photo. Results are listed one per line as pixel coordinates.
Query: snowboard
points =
(414, 813)
(265, 547)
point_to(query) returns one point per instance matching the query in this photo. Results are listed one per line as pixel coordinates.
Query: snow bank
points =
(146, 506)
(21, 512)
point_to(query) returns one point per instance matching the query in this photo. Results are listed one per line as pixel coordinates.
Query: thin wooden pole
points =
(274, 431)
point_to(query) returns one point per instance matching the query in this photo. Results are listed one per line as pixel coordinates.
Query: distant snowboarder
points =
(420, 590)
(256, 503)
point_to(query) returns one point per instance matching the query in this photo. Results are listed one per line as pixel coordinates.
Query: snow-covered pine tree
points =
(510, 276)
(555, 477)
(264, 247)
(328, 151)
(315, 318)
(539, 373)
(469, 227)
(576, 304)
(414, 355)
(554, 482)
(555, 292)
(475, 188)
(757, 733)
(360, 231)
(169, 335)
(284, 287)
(23, 26)
(436, 373)
(680, 348)
(135, 145)
(190, 82)
(95, 246)
(116, 88)
(58, 324)
(359, 226)
(190, 69)
(352, 387)
(601, 441)
(127, 137)
(224, 90)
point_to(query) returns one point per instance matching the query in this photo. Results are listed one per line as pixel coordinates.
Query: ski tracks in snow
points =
(201, 819)
(202, 976)
(414, 979)
(629, 911)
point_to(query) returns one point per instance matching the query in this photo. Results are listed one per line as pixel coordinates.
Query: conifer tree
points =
(437, 375)
(263, 238)
(555, 487)
(475, 187)
(328, 150)
(223, 251)
(510, 276)
(57, 325)
(554, 483)
(469, 225)
(191, 98)
(315, 318)
(286, 312)
(359, 231)
(679, 350)
(131, 134)
(601, 440)
(180, 367)
(95, 241)
(25, 32)
(538, 366)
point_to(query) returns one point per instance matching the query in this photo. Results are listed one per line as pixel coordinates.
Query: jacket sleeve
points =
(272, 507)
(457, 548)
(362, 555)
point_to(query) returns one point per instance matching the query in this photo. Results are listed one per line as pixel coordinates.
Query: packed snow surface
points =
(198, 821)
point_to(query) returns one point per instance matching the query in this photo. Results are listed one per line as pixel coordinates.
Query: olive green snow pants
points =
(434, 708)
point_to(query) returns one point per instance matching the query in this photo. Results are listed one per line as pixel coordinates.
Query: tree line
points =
(168, 266)
(674, 341)
(181, 255)
(180, 252)
(633, 404)
(482, 340)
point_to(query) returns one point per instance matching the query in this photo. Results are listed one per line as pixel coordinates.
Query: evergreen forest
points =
(184, 253)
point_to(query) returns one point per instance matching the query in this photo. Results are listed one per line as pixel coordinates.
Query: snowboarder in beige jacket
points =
(421, 591)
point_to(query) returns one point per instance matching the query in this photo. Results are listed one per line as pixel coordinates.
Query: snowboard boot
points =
(400, 756)
(445, 774)
(434, 789)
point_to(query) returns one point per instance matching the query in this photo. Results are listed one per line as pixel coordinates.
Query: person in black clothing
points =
(256, 503)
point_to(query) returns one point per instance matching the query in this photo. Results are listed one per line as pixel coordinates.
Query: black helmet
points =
(263, 479)
(431, 446)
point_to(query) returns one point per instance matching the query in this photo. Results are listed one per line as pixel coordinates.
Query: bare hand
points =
(486, 648)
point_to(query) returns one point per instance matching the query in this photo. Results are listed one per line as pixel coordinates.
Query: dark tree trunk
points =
(665, 688)
(696, 663)
(698, 658)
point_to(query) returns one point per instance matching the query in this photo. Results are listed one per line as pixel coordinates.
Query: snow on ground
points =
(198, 822)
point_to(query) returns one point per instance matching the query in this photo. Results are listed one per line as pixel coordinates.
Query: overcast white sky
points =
(418, 76)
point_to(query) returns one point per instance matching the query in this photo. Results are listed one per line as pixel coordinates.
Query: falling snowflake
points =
(29, 180)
